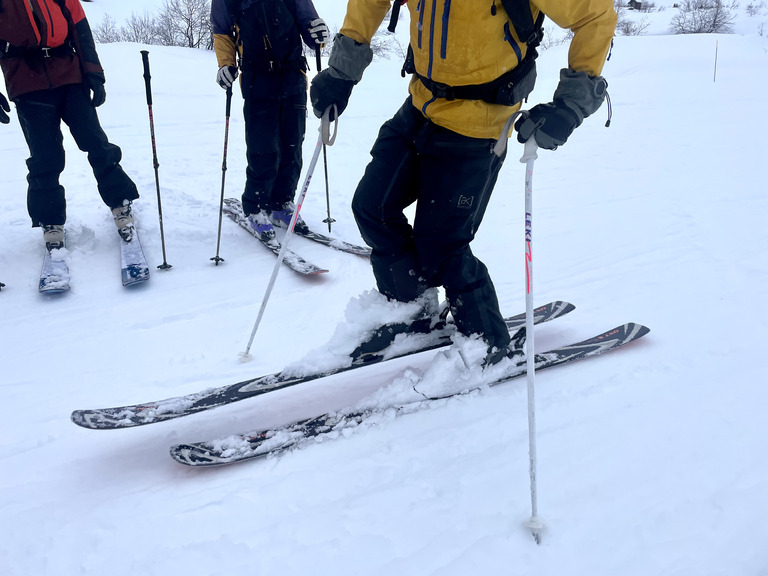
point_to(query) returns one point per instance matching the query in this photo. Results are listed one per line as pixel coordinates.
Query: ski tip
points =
(134, 275)
(53, 291)
(85, 419)
(77, 417)
(640, 328)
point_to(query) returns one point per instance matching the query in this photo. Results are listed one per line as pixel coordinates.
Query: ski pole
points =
(324, 137)
(155, 163)
(529, 155)
(218, 258)
(328, 220)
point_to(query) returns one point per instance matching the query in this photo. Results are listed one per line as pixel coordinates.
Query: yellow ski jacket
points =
(463, 43)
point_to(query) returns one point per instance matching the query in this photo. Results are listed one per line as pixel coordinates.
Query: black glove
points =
(95, 83)
(4, 107)
(327, 90)
(226, 76)
(550, 124)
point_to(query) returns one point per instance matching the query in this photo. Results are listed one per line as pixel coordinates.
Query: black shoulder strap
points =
(519, 12)
(68, 17)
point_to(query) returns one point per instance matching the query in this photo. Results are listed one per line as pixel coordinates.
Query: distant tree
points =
(139, 29)
(185, 23)
(106, 31)
(704, 17)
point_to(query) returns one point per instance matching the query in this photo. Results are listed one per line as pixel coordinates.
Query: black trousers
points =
(274, 133)
(40, 115)
(450, 177)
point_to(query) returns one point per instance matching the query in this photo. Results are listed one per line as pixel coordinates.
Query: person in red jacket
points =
(52, 74)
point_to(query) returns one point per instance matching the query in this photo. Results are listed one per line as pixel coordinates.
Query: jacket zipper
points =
(444, 38)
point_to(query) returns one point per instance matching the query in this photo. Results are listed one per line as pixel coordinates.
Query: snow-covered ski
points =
(159, 411)
(241, 447)
(54, 277)
(234, 210)
(233, 206)
(134, 268)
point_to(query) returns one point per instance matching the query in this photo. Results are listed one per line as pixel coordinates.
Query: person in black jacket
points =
(266, 36)
(53, 74)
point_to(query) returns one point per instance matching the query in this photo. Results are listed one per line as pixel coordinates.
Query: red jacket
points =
(28, 25)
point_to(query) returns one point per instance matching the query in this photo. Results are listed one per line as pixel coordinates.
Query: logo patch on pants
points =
(465, 202)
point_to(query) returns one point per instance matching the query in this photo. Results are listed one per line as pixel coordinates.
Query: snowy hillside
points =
(651, 458)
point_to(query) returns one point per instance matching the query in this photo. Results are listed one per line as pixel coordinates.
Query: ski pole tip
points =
(535, 527)
(245, 356)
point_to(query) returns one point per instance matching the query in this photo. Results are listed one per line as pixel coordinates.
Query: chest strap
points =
(8, 50)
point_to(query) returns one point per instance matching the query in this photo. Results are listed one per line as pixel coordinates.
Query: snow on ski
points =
(171, 408)
(242, 447)
(54, 276)
(234, 210)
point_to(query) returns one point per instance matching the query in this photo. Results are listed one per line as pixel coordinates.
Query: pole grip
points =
(395, 16)
(229, 101)
(147, 77)
(317, 58)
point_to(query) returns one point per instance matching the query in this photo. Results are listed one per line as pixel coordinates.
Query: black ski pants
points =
(450, 177)
(40, 116)
(274, 133)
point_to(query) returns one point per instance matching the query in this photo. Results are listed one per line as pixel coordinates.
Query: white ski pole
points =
(529, 155)
(325, 137)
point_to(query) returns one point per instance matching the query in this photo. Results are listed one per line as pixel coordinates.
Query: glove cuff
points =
(581, 93)
(349, 59)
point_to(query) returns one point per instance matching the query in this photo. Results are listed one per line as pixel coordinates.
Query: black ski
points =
(234, 205)
(151, 412)
(241, 447)
(234, 210)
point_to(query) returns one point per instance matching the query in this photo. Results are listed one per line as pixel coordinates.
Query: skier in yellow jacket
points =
(472, 64)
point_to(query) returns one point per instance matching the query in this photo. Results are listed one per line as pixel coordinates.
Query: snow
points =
(650, 459)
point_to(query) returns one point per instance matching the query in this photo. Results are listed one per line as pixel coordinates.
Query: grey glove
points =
(4, 107)
(319, 31)
(577, 96)
(226, 76)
